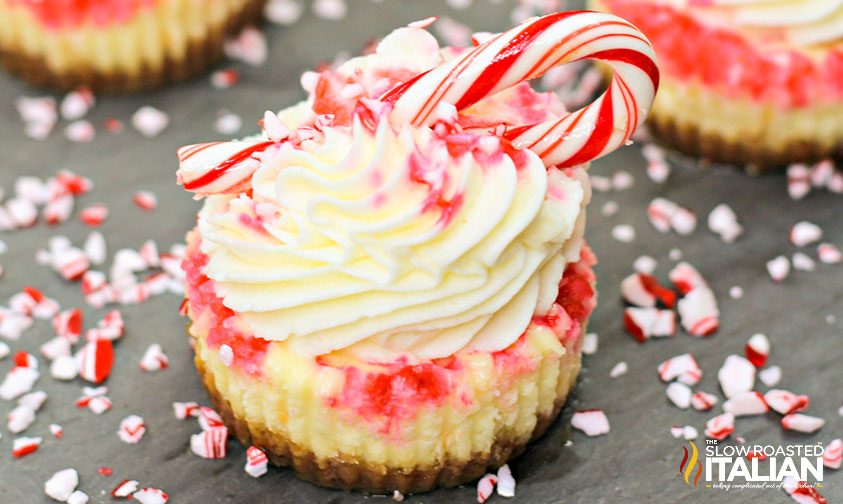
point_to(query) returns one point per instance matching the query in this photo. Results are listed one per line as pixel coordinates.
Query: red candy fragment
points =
(95, 360)
(757, 349)
(720, 427)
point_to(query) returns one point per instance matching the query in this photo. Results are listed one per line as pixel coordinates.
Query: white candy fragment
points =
(154, 359)
(778, 268)
(805, 233)
(746, 404)
(770, 376)
(589, 344)
(798, 181)
(95, 248)
(684, 432)
(149, 121)
(679, 394)
(623, 233)
(665, 215)
(619, 369)
(249, 47)
(506, 482)
(17, 382)
(737, 375)
(802, 262)
(757, 349)
(283, 12)
(829, 254)
(62, 485)
(486, 487)
(592, 422)
(78, 497)
(645, 264)
(64, 368)
(210, 444)
(802, 423)
(150, 496)
(724, 222)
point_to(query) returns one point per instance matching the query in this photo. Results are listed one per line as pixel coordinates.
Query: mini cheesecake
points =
(116, 46)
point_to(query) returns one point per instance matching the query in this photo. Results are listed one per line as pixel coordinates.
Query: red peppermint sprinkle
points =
(145, 200)
(757, 349)
(94, 215)
(23, 446)
(720, 427)
(95, 360)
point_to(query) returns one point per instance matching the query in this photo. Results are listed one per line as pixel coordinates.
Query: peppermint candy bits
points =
(591, 422)
(720, 427)
(95, 360)
(256, 462)
(211, 443)
(132, 429)
(62, 485)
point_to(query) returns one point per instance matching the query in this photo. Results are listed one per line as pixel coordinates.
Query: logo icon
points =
(686, 467)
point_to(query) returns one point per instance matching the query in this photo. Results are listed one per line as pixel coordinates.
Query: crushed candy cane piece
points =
(94, 215)
(644, 323)
(486, 487)
(228, 123)
(645, 291)
(225, 78)
(185, 410)
(33, 400)
(62, 484)
(686, 277)
(68, 324)
(609, 208)
(591, 422)
(619, 369)
(99, 405)
(802, 423)
(684, 432)
(778, 268)
(645, 264)
(256, 462)
(145, 200)
(71, 264)
(132, 429)
(80, 131)
(154, 359)
(210, 443)
(622, 180)
(802, 262)
(786, 402)
(64, 368)
(77, 103)
(24, 446)
(56, 430)
(249, 47)
(746, 404)
(757, 349)
(720, 427)
(78, 497)
(283, 12)
(506, 482)
(124, 489)
(589, 344)
(13, 324)
(58, 210)
(770, 376)
(17, 382)
(151, 496)
(798, 181)
(55, 348)
(682, 367)
(19, 419)
(829, 254)
(329, 9)
(833, 454)
(149, 121)
(698, 312)
(724, 222)
(703, 401)
(736, 375)
(736, 292)
(679, 394)
(623, 233)
(209, 419)
(4, 350)
(95, 360)
(805, 233)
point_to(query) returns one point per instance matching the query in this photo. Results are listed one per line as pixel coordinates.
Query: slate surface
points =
(637, 462)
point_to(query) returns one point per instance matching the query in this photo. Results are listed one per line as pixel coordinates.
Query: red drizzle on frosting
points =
(58, 14)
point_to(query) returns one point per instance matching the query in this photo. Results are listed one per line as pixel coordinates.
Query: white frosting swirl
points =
(802, 22)
(394, 242)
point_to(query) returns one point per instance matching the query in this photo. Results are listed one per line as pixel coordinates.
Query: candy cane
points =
(527, 52)
(219, 167)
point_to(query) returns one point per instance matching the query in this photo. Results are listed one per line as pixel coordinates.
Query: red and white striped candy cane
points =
(219, 167)
(527, 52)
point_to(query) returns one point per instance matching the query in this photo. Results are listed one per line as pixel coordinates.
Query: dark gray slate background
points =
(636, 462)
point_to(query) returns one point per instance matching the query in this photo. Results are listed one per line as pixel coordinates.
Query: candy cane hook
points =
(527, 52)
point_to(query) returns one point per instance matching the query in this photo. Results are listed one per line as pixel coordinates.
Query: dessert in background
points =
(388, 289)
(751, 82)
(117, 45)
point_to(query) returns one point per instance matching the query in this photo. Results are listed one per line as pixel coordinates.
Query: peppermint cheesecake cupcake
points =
(117, 45)
(389, 287)
(750, 82)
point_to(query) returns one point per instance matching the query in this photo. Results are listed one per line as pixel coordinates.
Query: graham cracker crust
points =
(346, 473)
(201, 55)
(689, 140)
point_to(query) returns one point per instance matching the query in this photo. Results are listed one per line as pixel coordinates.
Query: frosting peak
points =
(394, 240)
